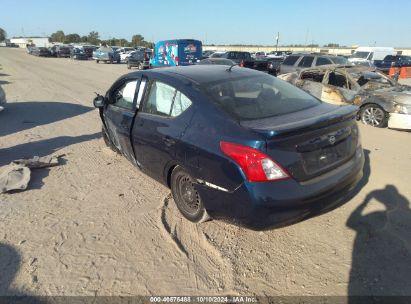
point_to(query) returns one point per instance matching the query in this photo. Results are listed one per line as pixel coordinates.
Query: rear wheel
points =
(97, 61)
(187, 198)
(374, 115)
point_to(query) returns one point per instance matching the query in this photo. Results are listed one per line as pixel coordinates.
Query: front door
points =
(119, 116)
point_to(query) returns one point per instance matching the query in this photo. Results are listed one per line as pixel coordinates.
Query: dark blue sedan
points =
(233, 143)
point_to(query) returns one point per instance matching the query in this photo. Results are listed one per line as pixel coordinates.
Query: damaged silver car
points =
(382, 102)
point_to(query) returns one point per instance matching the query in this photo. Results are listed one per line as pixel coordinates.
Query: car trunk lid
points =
(311, 142)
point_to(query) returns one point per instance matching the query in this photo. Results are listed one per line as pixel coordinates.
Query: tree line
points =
(94, 38)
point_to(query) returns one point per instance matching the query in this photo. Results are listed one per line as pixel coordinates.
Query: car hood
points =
(397, 94)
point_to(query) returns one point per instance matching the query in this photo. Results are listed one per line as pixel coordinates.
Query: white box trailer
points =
(369, 54)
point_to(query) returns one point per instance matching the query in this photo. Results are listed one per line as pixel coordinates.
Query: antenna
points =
(229, 69)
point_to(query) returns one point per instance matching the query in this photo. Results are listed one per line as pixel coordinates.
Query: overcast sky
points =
(348, 22)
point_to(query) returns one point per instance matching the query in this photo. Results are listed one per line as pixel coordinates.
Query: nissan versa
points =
(233, 143)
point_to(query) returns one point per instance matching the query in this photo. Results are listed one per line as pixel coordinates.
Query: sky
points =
(348, 22)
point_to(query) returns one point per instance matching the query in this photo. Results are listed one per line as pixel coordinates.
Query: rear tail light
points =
(242, 63)
(145, 56)
(177, 60)
(257, 166)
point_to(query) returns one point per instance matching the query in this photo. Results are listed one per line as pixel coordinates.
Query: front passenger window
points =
(124, 97)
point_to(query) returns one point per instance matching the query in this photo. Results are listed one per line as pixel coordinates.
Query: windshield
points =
(362, 55)
(258, 97)
(339, 60)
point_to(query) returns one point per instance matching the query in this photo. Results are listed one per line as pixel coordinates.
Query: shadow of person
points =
(9, 265)
(10, 262)
(381, 258)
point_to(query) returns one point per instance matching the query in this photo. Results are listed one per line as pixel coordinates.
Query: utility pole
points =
(277, 38)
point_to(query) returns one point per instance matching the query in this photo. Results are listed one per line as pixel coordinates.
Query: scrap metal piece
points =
(14, 177)
(39, 162)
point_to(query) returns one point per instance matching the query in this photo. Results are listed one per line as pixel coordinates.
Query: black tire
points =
(373, 115)
(128, 66)
(107, 140)
(186, 197)
(97, 61)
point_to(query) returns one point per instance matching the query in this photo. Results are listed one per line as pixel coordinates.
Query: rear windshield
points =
(257, 97)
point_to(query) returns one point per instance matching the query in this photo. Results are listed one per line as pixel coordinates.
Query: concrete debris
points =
(14, 177)
(39, 162)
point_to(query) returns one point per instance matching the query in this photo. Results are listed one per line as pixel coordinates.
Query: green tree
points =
(137, 40)
(332, 45)
(3, 34)
(57, 36)
(93, 37)
(72, 38)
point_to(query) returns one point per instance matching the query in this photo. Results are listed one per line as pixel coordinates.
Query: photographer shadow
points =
(381, 258)
(10, 262)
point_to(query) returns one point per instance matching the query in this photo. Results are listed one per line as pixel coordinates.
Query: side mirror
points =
(99, 101)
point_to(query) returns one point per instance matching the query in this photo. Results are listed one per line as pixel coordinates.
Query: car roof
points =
(202, 74)
(333, 67)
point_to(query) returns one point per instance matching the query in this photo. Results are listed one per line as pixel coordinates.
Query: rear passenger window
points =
(306, 62)
(165, 100)
(181, 103)
(160, 99)
(291, 60)
(323, 61)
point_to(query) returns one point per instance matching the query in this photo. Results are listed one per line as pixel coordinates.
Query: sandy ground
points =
(97, 226)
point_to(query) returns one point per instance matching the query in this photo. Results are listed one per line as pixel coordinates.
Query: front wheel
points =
(374, 115)
(186, 197)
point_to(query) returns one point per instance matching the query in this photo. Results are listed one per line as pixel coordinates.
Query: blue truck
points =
(176, 52)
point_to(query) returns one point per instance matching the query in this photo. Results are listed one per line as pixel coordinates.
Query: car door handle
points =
(168, 141)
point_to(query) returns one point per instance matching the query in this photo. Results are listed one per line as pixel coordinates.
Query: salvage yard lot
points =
(97, 226)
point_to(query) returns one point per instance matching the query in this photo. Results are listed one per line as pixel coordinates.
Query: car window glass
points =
(307, 61)
(160, 99)
(291, 60)
(323, 61)
(125, 95)
(181, 103)
(258, 97)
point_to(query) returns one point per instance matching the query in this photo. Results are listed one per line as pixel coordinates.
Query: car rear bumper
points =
(275, 204)
(399, 121)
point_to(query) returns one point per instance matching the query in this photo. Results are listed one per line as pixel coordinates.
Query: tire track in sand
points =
(207, 266)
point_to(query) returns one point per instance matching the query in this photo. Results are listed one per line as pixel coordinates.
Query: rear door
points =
(159, 125)
(119, 115)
